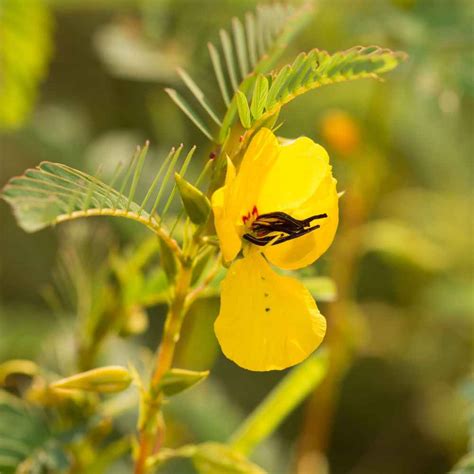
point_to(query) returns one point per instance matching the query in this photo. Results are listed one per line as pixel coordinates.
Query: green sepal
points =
(177, 380)
(196, 203)
(200, 264)
(168, 261)
(108, 379)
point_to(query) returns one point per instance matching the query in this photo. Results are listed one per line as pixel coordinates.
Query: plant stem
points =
(172, 325)
(151, 429)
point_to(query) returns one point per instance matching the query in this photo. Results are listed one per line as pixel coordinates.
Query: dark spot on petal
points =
(267, 309)
(265, 294)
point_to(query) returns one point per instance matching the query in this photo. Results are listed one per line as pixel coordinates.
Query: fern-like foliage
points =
(25, 48)
(249, 53)
(251, 47)
(310, 71)
(53, 193)
(26, 444)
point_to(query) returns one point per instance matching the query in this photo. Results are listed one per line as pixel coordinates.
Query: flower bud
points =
(101, 380)
(196, 204)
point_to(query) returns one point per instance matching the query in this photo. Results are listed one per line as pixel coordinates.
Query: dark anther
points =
(278, 227)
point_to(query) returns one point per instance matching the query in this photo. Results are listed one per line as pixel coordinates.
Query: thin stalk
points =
(171, 166)
(156, 179)
(127, 174)
(152, 430)
(182, 172)
(137, 173)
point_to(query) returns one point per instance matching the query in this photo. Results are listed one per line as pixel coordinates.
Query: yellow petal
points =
(239, 194)
(230, 173)
(229, 239)
(303, 251)
(266, 321)
(258, 159)
(295, 175)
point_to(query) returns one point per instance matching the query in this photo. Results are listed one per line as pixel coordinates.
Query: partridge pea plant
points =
(261, 203)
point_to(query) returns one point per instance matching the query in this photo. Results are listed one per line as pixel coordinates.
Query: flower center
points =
(276, 227)
(250, 217)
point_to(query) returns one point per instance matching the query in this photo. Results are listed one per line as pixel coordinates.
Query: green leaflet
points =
(252, 48)
(52, 193)
(259, 97)
(310, 71)
(247, 60)
(243, 109)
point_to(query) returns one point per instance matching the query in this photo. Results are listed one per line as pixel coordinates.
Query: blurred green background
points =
(402, 261)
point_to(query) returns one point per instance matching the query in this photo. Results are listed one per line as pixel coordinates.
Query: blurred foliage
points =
(26, 33)
(401, 150)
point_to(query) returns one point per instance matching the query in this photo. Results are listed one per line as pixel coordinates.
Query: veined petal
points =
(302, 251)
(295, 175)
(230, 172)
(230, 242)
(239, 194)
(266, 321)
(258, 159)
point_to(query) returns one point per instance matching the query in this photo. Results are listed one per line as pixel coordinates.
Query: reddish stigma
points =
(250, 215)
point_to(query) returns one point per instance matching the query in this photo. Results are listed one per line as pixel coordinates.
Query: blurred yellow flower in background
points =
(281, 206)
(340, 131)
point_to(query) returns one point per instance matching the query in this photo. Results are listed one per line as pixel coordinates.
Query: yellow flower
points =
(281, 206)
(341, 132)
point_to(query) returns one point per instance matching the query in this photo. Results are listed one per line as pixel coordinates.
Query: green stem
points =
(151, 431)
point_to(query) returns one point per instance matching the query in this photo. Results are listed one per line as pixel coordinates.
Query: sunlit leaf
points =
(215, 458)
(280, 402)
(25, 49)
